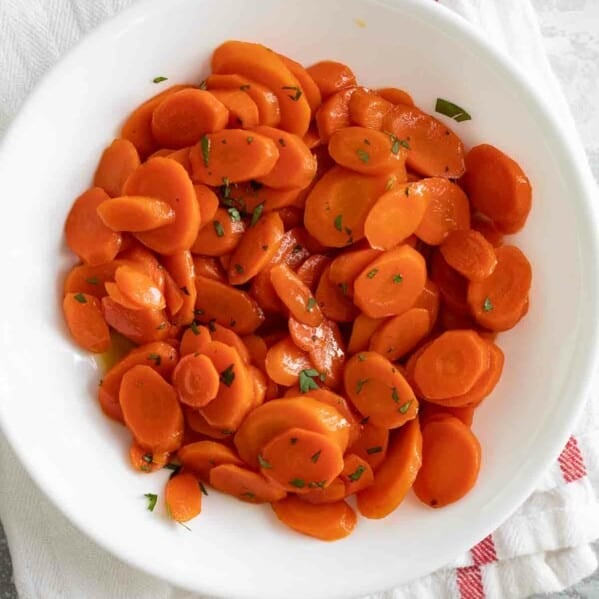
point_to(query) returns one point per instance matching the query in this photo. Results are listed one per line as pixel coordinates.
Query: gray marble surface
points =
(571, 33)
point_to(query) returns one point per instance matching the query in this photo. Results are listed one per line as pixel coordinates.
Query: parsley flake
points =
(315, 457)
(159, 79)
(457, 113)
(263, 463)
(310, 304)
(360, 384)
(363, 155)
(205, 146)
(152, 499)
(80, 298)
(155, 358)
(373, 450)
(306, 379)
(92, 280)
(256, 214)
(397, 279)
(227, 376)
(338, 223)
(298, 92)
(357, 473)
(487, 305)
(298, 483)
(218, 228)
(405, 407)
(372, 273)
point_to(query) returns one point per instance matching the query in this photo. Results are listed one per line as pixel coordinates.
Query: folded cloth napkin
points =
(545, 546)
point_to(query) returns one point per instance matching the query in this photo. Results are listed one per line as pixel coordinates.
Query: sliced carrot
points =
(83, 315)
(246, 197)
(207, 203)
(379, 391)
(498, 187)
(469, 253)
(198, 424)
(260, 383)
(195, 340)
(118, 161)
(429, 300)
(285, 362)
(172, 294)
(140, 326)
(143, 259)
(333, 114)
(146, 461)
(182, 118)
(400, 334)
(138, 288)
(151, 410)
(497, 302)
(196, 380)
(435, 150)
(450, 462)
(244, 484)
(182, 157)
(452, 285)
(114, 293)
(86, 233)
(209, 267)
(368, 108)
(135, 213)
(307, 83)
(333, 302)
(331, 77)
(231, 338)
(487, 229)
(90, 280)
(243, 111)
(329, 358)
(362, 330)
(371, 445)
(396, 475)
(431, 410)
(200, 457)
(334, 493)
(391, 283)
(357, 474)
(395, 95)
(221, 236)
(312, 137)
(257, 350)
(181, 268)
(183, 497)
(311, 270)
(161, 153)
(295, 295)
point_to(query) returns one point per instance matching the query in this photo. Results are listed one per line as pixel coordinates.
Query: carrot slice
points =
(142, 259)
(151, 410)
(391, 283)
(207, 203)
(430, 410)
(487, 229)
(307, 84)
(333, 114)
(228, 306)
(243, 111)
(470, 254)
(452, 285)
(331, 76)
(334, 493)
(371, 445)
(209, 267)
(450, 462)
(260, 384)
(356, 474)
(86, 324)
(221, 236)
(86, 233)
(182, 118)
(395, 95)
(368, 108)
(244, 484)
(285, 362)
(379, 391)
(327, 521)
(181, 268)
(135, 213)
(362, 330)
(198, 424)
(435, 150)
(396, 475)
(311, 270)
(400, 334)
(334, 303)
(195, 340)
(183, 497)
(497, 302)
(140, 326)
(138, 288)
(117, 162)
(498, 187)
(182, 157)
(200, 457)
(146, 461)
(231, 338)
(429, 300)
(196, 380)
(247, 197)
(90, 280)
(257, 350)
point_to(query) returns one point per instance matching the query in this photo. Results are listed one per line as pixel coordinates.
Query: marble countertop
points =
(571, 33)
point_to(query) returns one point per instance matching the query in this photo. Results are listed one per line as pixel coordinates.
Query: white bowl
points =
(48, 406)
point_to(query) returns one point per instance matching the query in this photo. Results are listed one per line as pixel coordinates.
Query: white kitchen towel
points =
(544, 546)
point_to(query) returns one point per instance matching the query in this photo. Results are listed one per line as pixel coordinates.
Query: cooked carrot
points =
(260, 384)
(497, 302)
(362, 330)
(452, 285)
(400, 334)
(86, 233)
(371, 445)
(118, 161)
(396, 215)
(391, 283)
(311, 270)
(257, 247)
(451, 364)
(395, 95)
(357, 474)
(138, 288)
(430, 410)
(246, 197)
(172, 294)
(450, 462)
(435, 150)
(114, 293)
(257, 349)
(183, 497)
(196, 380)
(333, 114)
(243, 111)
(299, 460)
(143, 259)
(379, 391)
(257, 62)
(469, 253)
(331, 77)
(83, 315)
(312, 137)
(333, 302)
(167, 180)
(161, 153)
(182, 157)
(200, 457)
(182, 118)
(90, 279)
(334, 493)
(180, 266)
(209, 267)
(498, 187)
(146, 461)
(244, 484)
(151, 410)
(207, 204)
(307, 83)
(140, 326)
(198, 424)
(285, 362)
(228, 306)
(295, 167)
(266, 102)
(487, 229)
(195, 340)
(135, 213)
(396, 475)
(231, 338)
(220, 236)
(368, 108)
(429, 300)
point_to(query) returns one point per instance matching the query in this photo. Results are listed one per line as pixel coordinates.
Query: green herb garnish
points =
(227, 376)
(306, 379)
(372, 273)
(218, 228)
(397, 279)
(159, 79)
(363, 155)
(315, 457)
(155, 358)
(360, 384)
(405, 407)
(457, 113)
(310, 304)
(338, 223)
(80, 298)
(92, 280)
(354, 476)
(152, 499)
(298, 483)
(373, 450)
(487, 305)
(205, 146)
(298, 92)
(256, 214)
(263, 463)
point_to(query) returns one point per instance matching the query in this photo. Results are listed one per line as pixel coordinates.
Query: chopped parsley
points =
(363, 155)
(397, 279)
(487, 305)
(194, 328)
(457, 113)
(155, 358)
(79, 297)
(92, 280)
(338, 222)
(298, 92)
(256, 214)
(205, 146)
(405, 407)
(227, 376)
(360, 384)
(306, 379)
(218, 228)
(357, 473)
(159, 79)
(263, 463)
(373, 450)
(298, 483)
(315, 457)
(234, 214)
(310, 304)
(372, 273)
(152, 499)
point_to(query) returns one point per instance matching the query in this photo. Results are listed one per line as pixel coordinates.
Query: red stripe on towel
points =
(484, 552)
(470, 583)
(571, 462)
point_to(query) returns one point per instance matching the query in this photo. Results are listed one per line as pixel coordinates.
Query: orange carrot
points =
(207, 203)
(244, 484)
(429, 300)
(140, 326)
(260, 385)
(371, 445)
(86, 324)
(487, 229)
(221, 236)
(118, 161)
(362, 330)
(395, 95)
(356, 474)
(334, 493)
(311, 270)
(135, 213)
(331, 77)
(138, 288)
(209, 267)
(90, 279)
(172, 294)
(367, 108)
(243, 111)
(285, 362)
(431, 410)
(143, 259)
(195, 340)
(180, 267)
(333, 114)
(198, 424)
(248, 196)
(257, 350)
(452, 285)
(146, 461)
(231, 338)
(182, 157)
(196, 380)
(307, 84)
(333, 302)
(183, 497)
(470, 254)
(400, 334)
(200, 457)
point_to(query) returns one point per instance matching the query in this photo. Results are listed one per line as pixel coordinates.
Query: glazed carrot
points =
(138, 126)
(285, 362)
(231, 338)
(299, 460)
(200, 457)
(244, 484)
(151, 410)
(183, 497)
(195, 339)
(367, 109)
(266, 102)
(379, 391)
(182, 157)
(400, 334)
(362, 330)
(257, 62)
(257, 247)
(487, 229)
(307, 84)
(333, 302)
(232, 156)
(196, 380)
(450, 462)
(86, 233)
(182, 118)
(331, 77)
(118, 161)
(207, 203)
(138, 288)
(243, 111)
(143, 259)
(395, 95)
(396, 475)
(275, 417)
(338, 205)
(333, 114)
(334, 493)
(198, 424)
(497, 302)
(296, 165)
(452, 285)
(356, 474)
(140, 326)
(172, 294)
(396, 215)
(114, 293)
(429, 300)
(435, 150)
(158, 355)
(257, 349)
(451, 364)
(371, 445)
(391, 283)
(227, 306)
(209, 267)
(161, 153)
(86, 324)
(146, 461)
(312, 137)
(498, 187)
(220, 236)
(135, 213)
(246, 197)
(469, 253)
(311, 270)
(329, 357)
(431, 410)
(341, 405)
(90, 279)
(260, 384)
(167, 180)
(447, 210)
(180, 267)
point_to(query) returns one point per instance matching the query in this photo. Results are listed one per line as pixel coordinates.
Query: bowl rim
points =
(573, 157)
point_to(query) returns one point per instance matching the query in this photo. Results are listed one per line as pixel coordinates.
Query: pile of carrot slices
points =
(311, 275)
